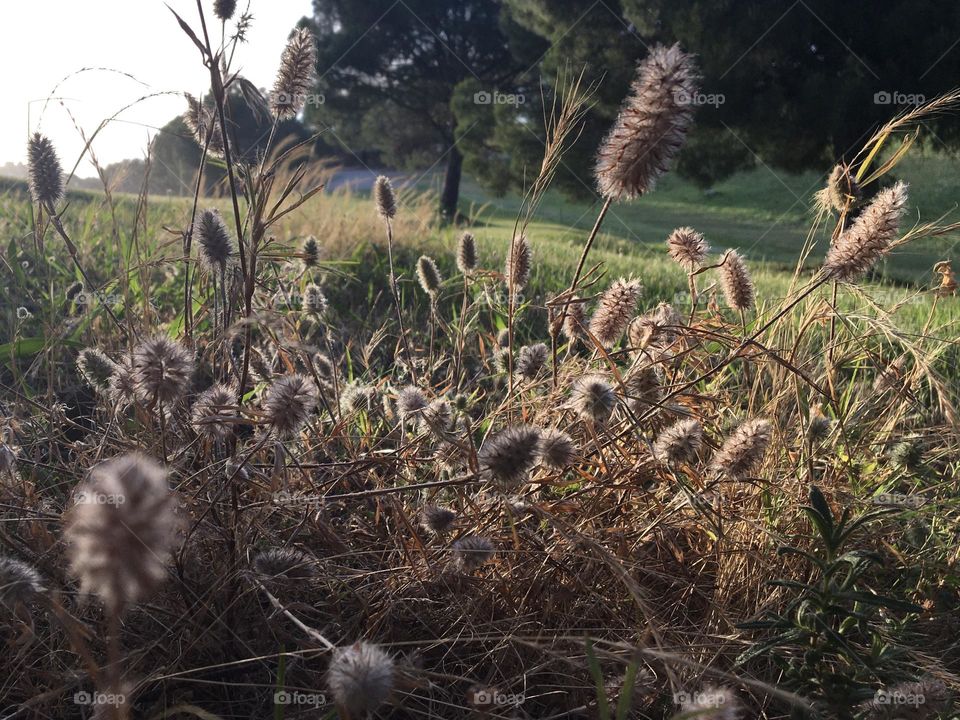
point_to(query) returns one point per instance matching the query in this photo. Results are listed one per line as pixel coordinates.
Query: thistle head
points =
(518, 265)
(360, 678)
(651, 127)
(531, 360)
(224, 9)
(214, 411)
(96, 368)
(410, 402)
(593, 398)
(510, 454)
(437, 519)
(687, 247)
(288, 403)
(614, 311)
(20, 583)
(295, 76)
(557, 449)
(736, 282)
(679, 443)
(216, 247)
(472, 552)
(161, 371)
(385, 198)
(868, 238)
(357, 396)
(311, 252)
(428, 276)
(744, 449)
(284, 563)
(44, 174)
(467, 254)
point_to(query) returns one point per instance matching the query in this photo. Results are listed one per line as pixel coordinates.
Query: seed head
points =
(96, 368)
(224, 9)
(121, 530)
(575, 320)
(657, 327)
(384, 198)
(510, 454)
(73, 291)
(8, 458)
(122, 387)
(314, 301)
(868, 238)
(651, 127)
(360, 678)
(161, 371)
(517, 270)
(429, 276)
(214, 411)
(437, 519)
(467, 254)
(557, 449)
(906, 455)
(744, 449)
(736, 282)
(288, 404)
(503, 338)
(820, 426)
(842, 189)
(216, 246)
(644, 386)
(713, 704)
(531, 359)
(202, 123)
(357, 396)
(613, 314)
(472, 551)
(19, 582)
(679, 442)
(43, 171)
(286, 563)
(295, 76)
(311, 252)
(593, 398)
(687, 247)
(410, 402)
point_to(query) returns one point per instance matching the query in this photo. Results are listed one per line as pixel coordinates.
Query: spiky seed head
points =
(224, 9)
(122, 388)
(906, 455)
(501, 360)
(43, 171)
(510, 454)
(519, 263)
(216, 247)
(679, 443)
(294, 78)
(868, 238)
(712, 704)
(557, 449)
(410, 402)
(614, 311)
(736, 282)
(437, 417)
(162, 371)
(324, 366)
(288, 403)
(314, 301)
(385, 198)
(593, 398)
(819, 427)
(531, 360)
(841, 190)
(357, 396)
(644, 386)
(437, 519)
(503, 338)
(575, 320)
(285, 563)
(657, 327)
(73, 291)
(651, 127)
(311, 252)
(467, 254)
(360, 678)
(19, 582)
(472, 551)
(428, 276)
(687, 247)
(202, 123)
(214, 411)
(744, 449)
(96, 368)
(121, 529)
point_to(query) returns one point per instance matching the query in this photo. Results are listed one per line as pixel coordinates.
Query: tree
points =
(388, 73)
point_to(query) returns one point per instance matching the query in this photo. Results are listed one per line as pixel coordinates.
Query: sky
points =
(143, 52)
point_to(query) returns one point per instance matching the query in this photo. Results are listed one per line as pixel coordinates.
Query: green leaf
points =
(603, 707)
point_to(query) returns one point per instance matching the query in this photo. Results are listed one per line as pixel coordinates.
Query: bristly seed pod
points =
(736, 282)
(288, 404)
(467, 254)
(868, 239)
(121, 530)
(557, 449)
(429, 276)
(224, 9)
(216, 247)
(651, 127)
(842, 188)
(472, 551)
(575, 320)
(284, 563)
(214, 412)
(96, 368)
(203, 125)
(43, 171)
(122, 387)
(687, 247)
(593, 398)
(161, 371)
(385, 198)
(311, 252)
(437, 519)
(410, 402)
(510, 454)
(613, 314)
(743, 451)
(360, 678)
(679, 443)
(531, 359)
(19, 583)
(295, 76)
(517, 269)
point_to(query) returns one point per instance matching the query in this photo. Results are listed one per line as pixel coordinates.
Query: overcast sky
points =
(44, 41)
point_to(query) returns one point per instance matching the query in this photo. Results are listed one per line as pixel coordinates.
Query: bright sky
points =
(44, 41)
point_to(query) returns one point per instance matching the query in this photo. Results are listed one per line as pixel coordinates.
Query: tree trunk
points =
(451, 186)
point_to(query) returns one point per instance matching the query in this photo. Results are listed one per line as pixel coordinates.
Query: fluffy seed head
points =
(161, 371)
(286, 563)
(744, 449)
(121, 530)
(736, 282)
(657, 327)
(224, 9)
(557, 449)
(472, 551)
(384, 198)
(467, 254)
(428, 275)
(712, 704)
(868, 238)
(517, 269)
(357, 396)
(96, 368)
(214, 411)
(216, 247)
(820, 426)
(19, 582)
(531, 359)
(503, 338)
(842, 188)
(437, 519)
(613, 314)
(687, 247)
(410, 402)
(202, 123)
(122, 388)
(295, 76)
(289, 402)
(360, 678)
(679, 442)
(906, 455)
(43, 171)
(593, 398)
(311, 252)
(510, 454)
(575, 320)
(651, 127)
(314, 301)
(644, 386)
